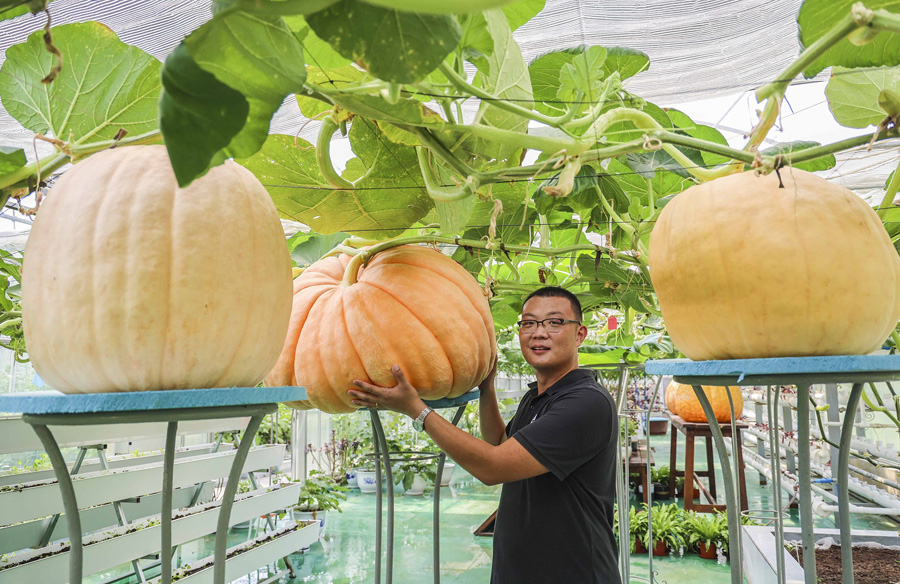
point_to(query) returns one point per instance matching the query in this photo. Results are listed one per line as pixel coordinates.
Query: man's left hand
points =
(402, 398)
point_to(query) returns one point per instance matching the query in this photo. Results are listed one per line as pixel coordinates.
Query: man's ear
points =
(582, 334)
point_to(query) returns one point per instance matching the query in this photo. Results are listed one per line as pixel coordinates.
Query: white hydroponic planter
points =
(123, 544)
(248, 556)
(33, 500)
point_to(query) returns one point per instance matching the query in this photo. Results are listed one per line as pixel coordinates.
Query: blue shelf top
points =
(847, 368)
(53, 402)
(452, 402)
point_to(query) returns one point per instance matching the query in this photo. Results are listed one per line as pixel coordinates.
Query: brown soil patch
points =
(870, 566)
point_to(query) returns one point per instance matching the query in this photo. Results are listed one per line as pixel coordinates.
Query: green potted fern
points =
(667, 529)
(706, 533)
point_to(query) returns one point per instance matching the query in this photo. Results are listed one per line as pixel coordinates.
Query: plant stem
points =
(887, 202)
(847, 25)
(432, 183)
(437, 147)
(352, 271)
(572, 147)
(323, 154)
(461, 84)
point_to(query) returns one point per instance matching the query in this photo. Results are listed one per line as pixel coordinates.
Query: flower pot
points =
(447, 474)
(366, 481)
(708, 553)
(312, 516)
(660, 549)
(658, 427)
(418, 486)
(639, 546)
(351, 479)
(661, 491)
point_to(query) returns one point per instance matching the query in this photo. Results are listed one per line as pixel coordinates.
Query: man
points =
(556, 457)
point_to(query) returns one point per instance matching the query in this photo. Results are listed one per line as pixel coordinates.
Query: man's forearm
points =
(493, 429)
(466, 450)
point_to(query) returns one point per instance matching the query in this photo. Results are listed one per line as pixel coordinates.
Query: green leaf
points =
(256, 56)
(504, 75)
(11, 159)
(476, 38)
(637, 187)
(584, 73)
(316, 52)
(544, 74)
(521, 11)
(853, 95)
(196, 104)
(273, 7)
(12, 8)
(685, 125)
(308, 248)
(822, 163)
(378, 208)
(817, 17)
(400, 47)
(601, 356)
(104, 86)
(628, 62)
(453, 216)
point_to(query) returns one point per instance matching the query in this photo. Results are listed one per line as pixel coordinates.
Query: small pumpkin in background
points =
(672, 396)
(409, 305)
(690, 410)
(131, 283)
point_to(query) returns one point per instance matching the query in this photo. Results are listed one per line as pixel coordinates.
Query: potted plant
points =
(414, 475)
(637, 530)
(318, 494)
(707, 532)
(667, 529)
(660, 479)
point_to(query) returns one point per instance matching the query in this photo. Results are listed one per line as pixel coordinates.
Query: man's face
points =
(547, 351)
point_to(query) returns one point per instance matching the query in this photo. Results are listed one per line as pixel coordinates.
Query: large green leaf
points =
(401, 47)
(194, 103)
(257, 56)
(853, 95)
(503, 74)
(519, 12)
(817, 17)
(584, 73)
(637, 187)
(104, 86)
(11, 159)
(627, 62)
(685, 125)
(378, 208)
(316, 52)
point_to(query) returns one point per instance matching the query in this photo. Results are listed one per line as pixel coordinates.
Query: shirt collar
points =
(565, 381)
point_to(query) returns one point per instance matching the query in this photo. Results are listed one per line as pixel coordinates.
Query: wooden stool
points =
(692, 430)
(637, 464)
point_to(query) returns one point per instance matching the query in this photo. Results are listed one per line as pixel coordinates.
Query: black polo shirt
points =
(558, 527)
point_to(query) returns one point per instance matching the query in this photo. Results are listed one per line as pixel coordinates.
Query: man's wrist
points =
(416, 409)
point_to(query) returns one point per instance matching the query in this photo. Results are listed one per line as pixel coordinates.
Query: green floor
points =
(347, 555)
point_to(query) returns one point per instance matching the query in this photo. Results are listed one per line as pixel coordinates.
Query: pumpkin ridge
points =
(313, 358)
(424, 325)
(255, 234)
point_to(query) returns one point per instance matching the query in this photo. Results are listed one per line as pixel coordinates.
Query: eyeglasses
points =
(551, 325)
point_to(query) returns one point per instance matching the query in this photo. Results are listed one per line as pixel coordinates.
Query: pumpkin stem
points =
(352, 271)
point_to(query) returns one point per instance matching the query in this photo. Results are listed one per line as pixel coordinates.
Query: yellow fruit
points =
(672, 396)
(744, 268)
(131, 283)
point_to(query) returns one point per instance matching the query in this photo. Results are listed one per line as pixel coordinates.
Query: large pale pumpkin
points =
(410, 306)
(131, 283)
(690, 410)
(746, 268)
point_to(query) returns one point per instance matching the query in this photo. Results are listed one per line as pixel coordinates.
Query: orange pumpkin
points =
(672, 396)
(690, 410)
(410, 305)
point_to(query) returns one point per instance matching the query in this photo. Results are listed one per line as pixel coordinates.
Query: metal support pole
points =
(806, 516)
(436, 518)
(165, 516)
(48, 531)
(843, 480)
(773, 394)
(386, 460)
(231, 485)
(834, 435)
(378, 496)
(67, 490)
(731, 500)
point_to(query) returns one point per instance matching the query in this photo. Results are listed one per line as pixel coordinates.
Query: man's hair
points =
(557, 292)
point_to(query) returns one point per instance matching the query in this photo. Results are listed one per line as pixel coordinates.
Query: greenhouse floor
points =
(346, 554)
